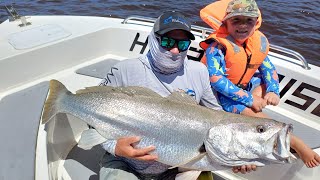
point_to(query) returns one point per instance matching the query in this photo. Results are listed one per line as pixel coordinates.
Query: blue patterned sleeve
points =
(218, 78)
(269, 76)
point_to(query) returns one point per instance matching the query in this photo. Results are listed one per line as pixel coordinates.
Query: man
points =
(164, 69)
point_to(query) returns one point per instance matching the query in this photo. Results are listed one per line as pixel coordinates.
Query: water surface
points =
(294, 24)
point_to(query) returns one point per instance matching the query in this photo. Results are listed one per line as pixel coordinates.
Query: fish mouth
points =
(281, 146)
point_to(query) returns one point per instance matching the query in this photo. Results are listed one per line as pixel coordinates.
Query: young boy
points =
(233, 54)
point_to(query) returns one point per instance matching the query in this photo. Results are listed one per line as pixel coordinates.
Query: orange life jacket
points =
(241, 63)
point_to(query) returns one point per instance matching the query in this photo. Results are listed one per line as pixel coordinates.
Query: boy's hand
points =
(258, 103)
(244, 169)
(272, 98)
(124, 148)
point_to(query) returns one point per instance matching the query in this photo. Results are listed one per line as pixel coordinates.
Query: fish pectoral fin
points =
(90, 138)
(201, 155)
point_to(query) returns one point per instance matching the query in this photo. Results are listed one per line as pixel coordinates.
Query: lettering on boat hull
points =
(309, 100)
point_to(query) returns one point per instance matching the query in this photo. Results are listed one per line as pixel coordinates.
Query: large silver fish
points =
(185, 134)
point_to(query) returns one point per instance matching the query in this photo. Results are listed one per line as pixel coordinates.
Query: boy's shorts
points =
(232, 106)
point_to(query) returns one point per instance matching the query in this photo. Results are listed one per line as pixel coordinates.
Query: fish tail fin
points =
(50, 109)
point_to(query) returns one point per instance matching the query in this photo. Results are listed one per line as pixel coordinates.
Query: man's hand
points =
(272, 99)
(124, 148)
(258, 103)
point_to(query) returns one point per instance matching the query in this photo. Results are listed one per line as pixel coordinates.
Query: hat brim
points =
(189, 34)
(240, 14)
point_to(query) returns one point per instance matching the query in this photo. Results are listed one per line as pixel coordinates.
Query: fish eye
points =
(261, 129)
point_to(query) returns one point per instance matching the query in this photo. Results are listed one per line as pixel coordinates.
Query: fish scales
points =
(158, 121)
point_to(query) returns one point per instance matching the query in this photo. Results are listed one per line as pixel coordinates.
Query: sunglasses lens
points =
(167, 42)
(183, 45)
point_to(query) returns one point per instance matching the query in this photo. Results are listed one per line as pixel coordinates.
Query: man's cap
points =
(172, 20)
(247, 8)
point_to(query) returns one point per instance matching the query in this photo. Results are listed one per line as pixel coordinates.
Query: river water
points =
(293, 24)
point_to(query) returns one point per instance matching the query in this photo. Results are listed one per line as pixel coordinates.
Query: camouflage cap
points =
(241, 8)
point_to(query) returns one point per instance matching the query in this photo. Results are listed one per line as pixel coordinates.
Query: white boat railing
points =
(295, 54)
(206, 31)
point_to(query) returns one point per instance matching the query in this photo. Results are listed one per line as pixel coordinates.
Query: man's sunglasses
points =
(168, 42)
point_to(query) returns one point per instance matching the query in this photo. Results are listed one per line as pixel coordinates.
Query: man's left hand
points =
(272, 98)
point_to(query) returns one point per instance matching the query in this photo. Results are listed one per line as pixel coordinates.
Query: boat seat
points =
(19, 116)
(98, 70)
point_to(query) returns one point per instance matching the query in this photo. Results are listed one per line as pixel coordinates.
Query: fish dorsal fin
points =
(182, 97)
(198, 157)
(130, 90)
(138, 91)
(95, 89)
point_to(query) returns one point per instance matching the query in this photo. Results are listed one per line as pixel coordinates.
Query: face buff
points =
(162, 60)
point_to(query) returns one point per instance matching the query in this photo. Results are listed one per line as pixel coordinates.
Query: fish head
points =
(255, 142)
